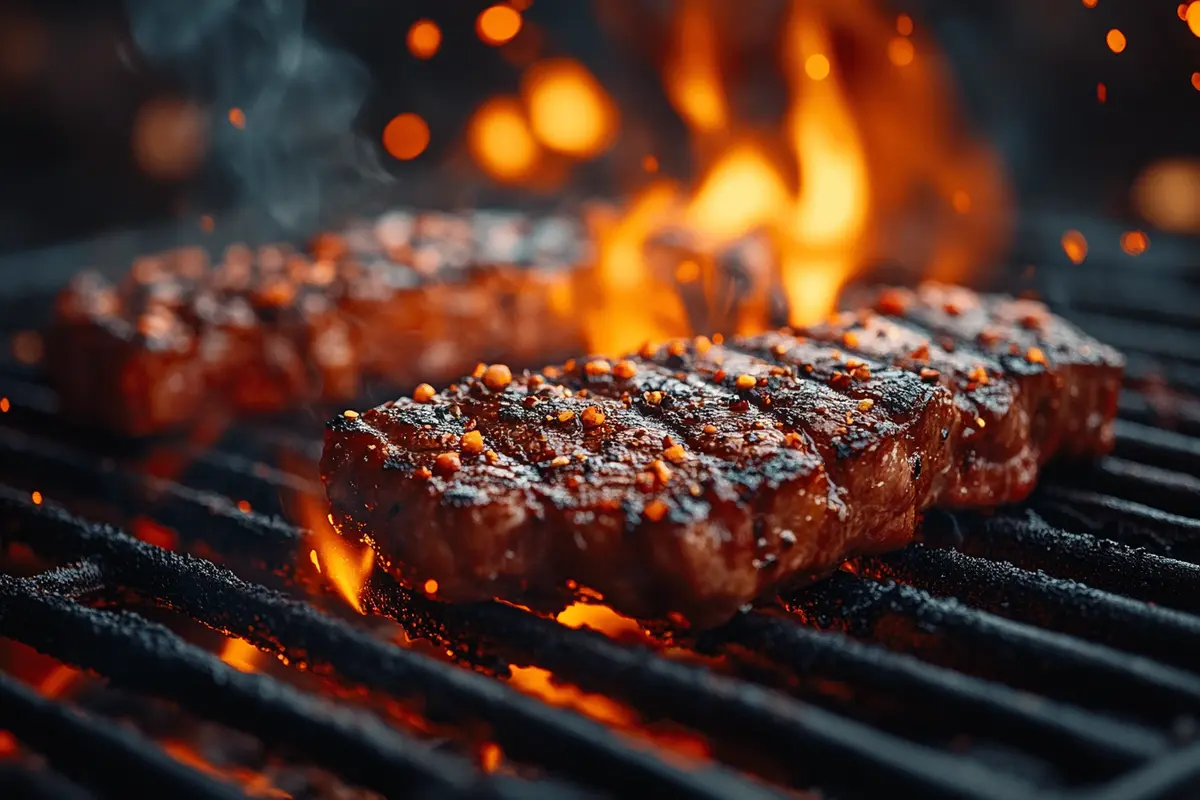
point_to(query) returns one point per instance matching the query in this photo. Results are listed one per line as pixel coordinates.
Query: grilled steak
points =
(691, 478)
(403, 296)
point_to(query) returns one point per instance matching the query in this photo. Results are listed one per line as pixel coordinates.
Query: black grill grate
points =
(1043, 651)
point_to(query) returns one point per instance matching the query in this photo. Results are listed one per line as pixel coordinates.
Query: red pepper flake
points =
(779, 350)
(850, 339)
(655, 510)
(560, 461)
(979, 421)
(448, 463)
(625, 369)
(702, 344)
(866, 405)
(497, 377)
(952, 309)
(350, 414)
(676, 348)
(718, 338)
(1033, 322)
(480, 368)
(566, 415)
(745, 381)
(653, 398)
(719, 375)
(990, 336)
(675, 454)
(862, 373)
(979, 375)
(648, 350)
(592, 417)
(849, 418)
(423, 393)
(597, 367)
(921, 353)
(491, 456)
(710, 429)
(794, 440)
(1034, 355)
(472, 443)
(661, 471)
(551, 372)
(893, 302)
(840, 380)
(928, 374)
(422, 473)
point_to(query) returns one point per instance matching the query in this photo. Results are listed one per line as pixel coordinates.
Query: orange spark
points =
(1075, 246)
(240, 654)
(500, 140)
(1193, 17)
(237, 118)
(498, 24)
(569, 110)
(431, 586)
(344, 564)
(36, 497)
(4, 405)
(1101, 92)
(901, 51)
(424, 39)
(1134, 242)
(1116, 41)
(406, 136)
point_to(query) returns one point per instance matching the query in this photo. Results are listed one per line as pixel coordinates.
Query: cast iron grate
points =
(1049, 650)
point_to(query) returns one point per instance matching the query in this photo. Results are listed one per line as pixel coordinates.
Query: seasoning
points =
(592, 417)
(448, 463)
(921, 353)
(928, 374)
(491, 456)
(979, 375)
(710, 429)
(597, 367)
(625, 369)
(497, 377)
(1034, 355)
(745, 381)
(893, 302)
(850, 339)
(702, 344)
(676, 348)
(719, 375)
(472, 442)
(560, 461)
(350, 414)
(866, 405)
(479, 370)
(648, 350)
(839, 380)
(422, 473)
(655, 510)
(653, 398)
(661, 471)
(423, 393)
(566, 415)
(675, 454)
(794, 440)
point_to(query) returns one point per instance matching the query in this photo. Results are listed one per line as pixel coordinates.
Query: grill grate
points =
(1042, 651)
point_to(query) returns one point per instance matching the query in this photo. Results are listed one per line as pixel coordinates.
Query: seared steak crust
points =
(691, 478)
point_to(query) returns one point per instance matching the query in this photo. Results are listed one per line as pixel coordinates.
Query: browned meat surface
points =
(689, 479)
(403, 297)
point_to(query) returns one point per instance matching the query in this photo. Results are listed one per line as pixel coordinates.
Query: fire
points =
(240, 654)
(692, 77)
(345, 566)
(406, 136)
(600, 618)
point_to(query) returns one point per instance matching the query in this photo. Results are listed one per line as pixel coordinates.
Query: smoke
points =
(299, 96)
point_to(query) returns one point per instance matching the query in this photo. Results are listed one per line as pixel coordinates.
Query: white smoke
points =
(299, 96)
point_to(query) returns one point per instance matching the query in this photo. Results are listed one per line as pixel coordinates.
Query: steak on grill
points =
(691, 478)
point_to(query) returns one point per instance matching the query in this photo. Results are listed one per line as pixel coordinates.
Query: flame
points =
(741, 192)
(692, 75)
(345, 566)
(240, 654)
(569, 111)
(255, 784)
(600, 618)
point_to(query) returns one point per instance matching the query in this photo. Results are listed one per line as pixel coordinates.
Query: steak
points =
(691, 478)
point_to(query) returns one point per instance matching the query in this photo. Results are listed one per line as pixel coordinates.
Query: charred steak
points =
(693, 477)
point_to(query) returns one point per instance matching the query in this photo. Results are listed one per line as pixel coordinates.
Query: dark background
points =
(74, 74)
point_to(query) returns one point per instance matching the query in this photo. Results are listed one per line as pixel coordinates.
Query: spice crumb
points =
(423, 393)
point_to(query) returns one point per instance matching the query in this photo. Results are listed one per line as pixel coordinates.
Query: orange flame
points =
(600, 618)
(569, 111)
(692, 75)
(345, 566)
(500, 141)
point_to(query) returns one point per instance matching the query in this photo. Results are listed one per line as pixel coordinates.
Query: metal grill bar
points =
(1029, 543)
(1033, 720)
(946, 632)
(98, 753)
(1164, 489)
(1169, 636)
(146, 657)
(1161, 447)
(524, 727)
(38, 783)
(711, 703)
(1122, 520)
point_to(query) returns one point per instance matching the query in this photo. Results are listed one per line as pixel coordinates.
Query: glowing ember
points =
(240, 654)
(1196, 81)
(36, 497)
(600, 618)
(237, 118)
(901, 51)
(8, 744)
(424, 39)
(568, 109)
(406, 137)
(345, 566)
(501, 142)
(1116, 41)
(4, 405)
(540, 683)
(1075, 246)
(1167, 194)
(1101, 92)
(431, 587)
(490, 756)
(58, 680)
(244, 506)
(1134, 242)
(498, 24)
